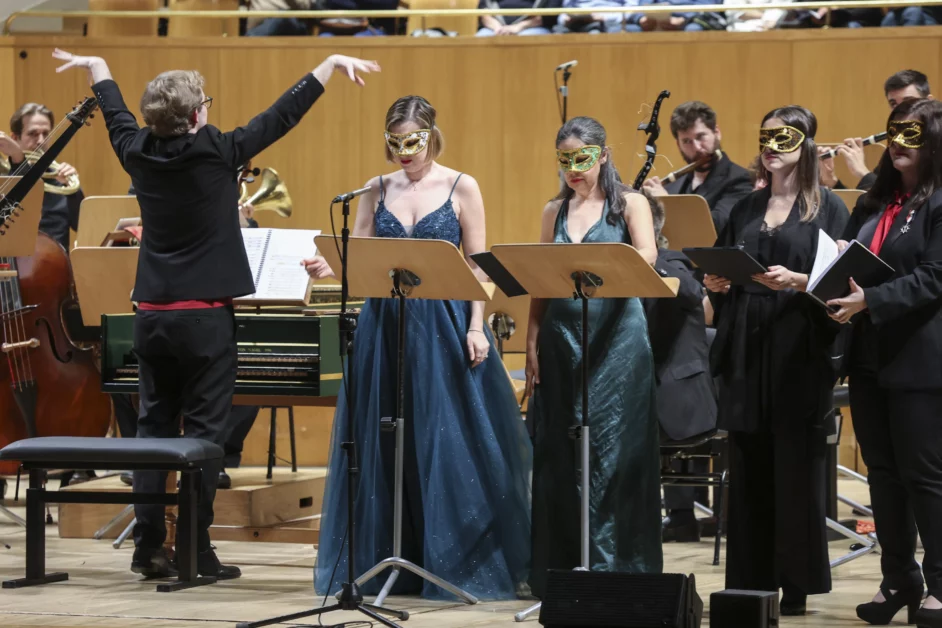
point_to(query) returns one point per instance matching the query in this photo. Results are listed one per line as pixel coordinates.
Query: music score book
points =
(732, 262)
(832, 270)
(275, 259)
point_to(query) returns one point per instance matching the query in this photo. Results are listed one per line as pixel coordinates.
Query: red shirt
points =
(886, 222)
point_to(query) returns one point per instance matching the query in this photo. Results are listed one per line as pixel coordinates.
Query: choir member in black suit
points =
(686, 398)
(30, 126)
(192, 265)
(904, 85)
(720, 182)
(772, 353)
(895, 361)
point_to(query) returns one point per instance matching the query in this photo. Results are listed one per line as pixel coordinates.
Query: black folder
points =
(732, 262)
(855, 261)
(498, 274)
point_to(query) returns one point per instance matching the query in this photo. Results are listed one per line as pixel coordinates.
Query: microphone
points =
(350, 195)
(567, 65)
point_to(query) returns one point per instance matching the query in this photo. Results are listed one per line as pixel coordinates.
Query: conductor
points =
(192, 263)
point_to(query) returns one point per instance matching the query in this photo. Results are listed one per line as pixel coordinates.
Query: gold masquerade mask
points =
(780, 139)
(578, 159)
(906, 133)
(404, 144)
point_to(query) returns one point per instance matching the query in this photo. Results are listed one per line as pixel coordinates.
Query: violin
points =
(49, 383)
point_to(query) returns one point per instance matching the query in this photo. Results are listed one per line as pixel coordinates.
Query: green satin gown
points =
(625, 502)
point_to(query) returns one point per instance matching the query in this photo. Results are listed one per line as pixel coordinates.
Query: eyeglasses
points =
(208, 102)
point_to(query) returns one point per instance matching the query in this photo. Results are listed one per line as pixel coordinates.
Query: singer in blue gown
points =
(466, 513)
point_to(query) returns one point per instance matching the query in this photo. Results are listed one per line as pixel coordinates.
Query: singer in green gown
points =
(625, 501)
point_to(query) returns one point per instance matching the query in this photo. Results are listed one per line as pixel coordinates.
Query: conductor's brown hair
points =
(170, 100)
(418, 110)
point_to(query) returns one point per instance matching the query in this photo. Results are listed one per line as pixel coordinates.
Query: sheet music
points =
(282, 275)
(254, 240)
(825, 257)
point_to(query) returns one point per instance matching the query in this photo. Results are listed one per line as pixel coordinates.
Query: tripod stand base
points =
(524, 614)
(401, 563)
(15, 518)
(350, 600)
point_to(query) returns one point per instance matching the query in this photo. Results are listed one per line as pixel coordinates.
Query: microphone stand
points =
(564, 92)
(350, 598)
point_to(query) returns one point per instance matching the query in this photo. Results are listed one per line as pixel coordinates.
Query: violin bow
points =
(653, 131)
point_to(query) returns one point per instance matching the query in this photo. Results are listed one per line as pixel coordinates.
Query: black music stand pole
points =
(350, 598)
(564, 91)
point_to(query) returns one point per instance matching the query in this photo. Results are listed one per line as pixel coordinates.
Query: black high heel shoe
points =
(882, 613)
(926, 618)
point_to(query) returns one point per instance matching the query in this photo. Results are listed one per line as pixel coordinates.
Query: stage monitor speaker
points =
(734, 608)
(596, 599)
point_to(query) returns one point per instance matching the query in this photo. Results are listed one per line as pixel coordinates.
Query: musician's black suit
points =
(724, 185)
(895, 380)
(686, 397)
(191, 250)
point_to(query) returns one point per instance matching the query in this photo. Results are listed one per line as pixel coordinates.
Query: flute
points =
(692, 166)
(873, 139)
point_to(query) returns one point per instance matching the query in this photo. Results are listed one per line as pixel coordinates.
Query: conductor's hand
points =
(478, 346)
(854, 302)
(532, 371)
(317, 267)
(716, 284)
(350, 66)
(654, 186)
(95, 67)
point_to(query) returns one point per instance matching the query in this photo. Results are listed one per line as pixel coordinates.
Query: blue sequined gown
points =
(624, 500)
(466, 513)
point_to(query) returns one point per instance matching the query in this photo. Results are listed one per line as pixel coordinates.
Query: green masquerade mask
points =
(404, 144)
(578, 159)
(780, 139)
(906, 133)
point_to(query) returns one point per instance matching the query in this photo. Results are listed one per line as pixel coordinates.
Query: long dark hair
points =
(929, 175)
(809, 194)
(590, 131)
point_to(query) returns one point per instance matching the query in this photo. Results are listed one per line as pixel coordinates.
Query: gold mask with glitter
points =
(580, 159)
(405, 144)
(906, 133)
(780, 139)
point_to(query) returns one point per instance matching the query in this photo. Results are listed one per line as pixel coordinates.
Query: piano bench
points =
(184, 455)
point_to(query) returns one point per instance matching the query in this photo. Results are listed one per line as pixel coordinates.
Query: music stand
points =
(104, 279)
(582, 271)
(18, 234)
(688, 222)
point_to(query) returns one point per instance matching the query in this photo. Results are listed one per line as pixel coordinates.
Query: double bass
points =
(49, 384)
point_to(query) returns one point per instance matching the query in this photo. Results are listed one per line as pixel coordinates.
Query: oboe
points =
(693, 166)
(873, 139)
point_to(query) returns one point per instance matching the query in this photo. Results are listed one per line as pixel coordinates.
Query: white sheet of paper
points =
(282, 275)
(825, 257)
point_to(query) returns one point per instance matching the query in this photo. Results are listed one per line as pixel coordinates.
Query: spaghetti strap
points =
(382, 190)
(455, 185)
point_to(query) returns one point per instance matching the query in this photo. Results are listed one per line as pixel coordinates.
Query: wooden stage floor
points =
(276, 580)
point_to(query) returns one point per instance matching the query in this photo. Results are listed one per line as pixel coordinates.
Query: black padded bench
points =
(184, 455)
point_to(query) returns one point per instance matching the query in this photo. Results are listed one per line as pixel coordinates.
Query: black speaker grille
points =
(583, 599)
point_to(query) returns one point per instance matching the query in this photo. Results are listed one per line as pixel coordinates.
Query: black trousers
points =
(238, 426)
(776, 531)
(125, 415)
(900, 436)
(188, 365)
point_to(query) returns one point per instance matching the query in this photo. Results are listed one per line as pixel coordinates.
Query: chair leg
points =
(718, 515)
(187, 551)
(294, 457)
(271, 443)
(35, 537)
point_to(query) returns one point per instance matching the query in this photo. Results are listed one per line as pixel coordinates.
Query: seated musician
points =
(686, 397)
(904, 85)
(719, 181)
(29, 127)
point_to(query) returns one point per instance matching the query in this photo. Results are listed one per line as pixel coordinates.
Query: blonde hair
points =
(416, 109)
(170, 100)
